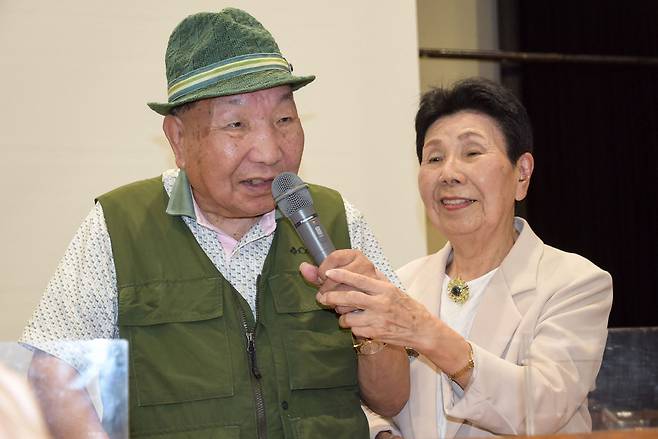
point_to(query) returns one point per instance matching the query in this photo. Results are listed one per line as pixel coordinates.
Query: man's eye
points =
(285, 119)
(434, 159)
(234, 125)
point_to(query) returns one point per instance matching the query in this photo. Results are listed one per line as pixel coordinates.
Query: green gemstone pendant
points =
(458, 290)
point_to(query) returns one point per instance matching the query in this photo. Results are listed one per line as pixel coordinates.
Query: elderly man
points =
(198, 272)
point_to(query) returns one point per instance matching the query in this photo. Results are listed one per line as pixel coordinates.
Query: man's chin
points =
(258, 211)
(247, 207)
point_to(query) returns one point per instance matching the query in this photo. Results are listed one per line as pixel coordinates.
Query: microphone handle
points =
(315, 238)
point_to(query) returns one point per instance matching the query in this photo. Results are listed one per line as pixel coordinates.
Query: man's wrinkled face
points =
(232, 147)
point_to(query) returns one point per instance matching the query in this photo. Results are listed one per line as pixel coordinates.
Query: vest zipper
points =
(256, 385)
(251, 349)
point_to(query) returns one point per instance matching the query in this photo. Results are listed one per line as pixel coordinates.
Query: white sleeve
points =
(80, 300)
(364, 239)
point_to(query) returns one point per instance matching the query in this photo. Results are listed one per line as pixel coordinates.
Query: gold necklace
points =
(458, 290)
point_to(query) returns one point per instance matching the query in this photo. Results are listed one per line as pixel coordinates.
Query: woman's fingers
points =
(345, 309)
(368, 294)
(373, 325)
(352, 299)
(349, 259)
(310, 273)
(359, 281)
(387, 315)
(381, 276)
(398, 319)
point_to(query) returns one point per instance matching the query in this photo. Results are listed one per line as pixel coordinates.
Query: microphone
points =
(292, 197)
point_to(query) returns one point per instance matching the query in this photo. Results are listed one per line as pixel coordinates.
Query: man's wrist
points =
(366, 346)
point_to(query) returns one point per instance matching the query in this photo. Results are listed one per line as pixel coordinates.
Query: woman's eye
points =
(473, 153)
(234, 125)
(434, 159)
(285, 119)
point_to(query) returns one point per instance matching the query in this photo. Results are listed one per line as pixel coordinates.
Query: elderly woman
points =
(505, 333)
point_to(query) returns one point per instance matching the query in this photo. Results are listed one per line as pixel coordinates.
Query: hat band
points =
(229, 68)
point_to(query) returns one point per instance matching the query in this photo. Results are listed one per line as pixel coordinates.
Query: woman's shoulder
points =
(568, 265)
(413, 266)
(408, 272)
(533, 265)
(552, 261)
(570, 283)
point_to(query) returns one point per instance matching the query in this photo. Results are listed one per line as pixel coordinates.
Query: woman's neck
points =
(474, 256)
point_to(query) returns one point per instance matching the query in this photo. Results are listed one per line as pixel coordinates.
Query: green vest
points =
(201, 366)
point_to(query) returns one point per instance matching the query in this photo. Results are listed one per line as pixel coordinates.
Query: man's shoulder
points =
(327, 197)
(323, 189)
(147, 186)
(134, 200)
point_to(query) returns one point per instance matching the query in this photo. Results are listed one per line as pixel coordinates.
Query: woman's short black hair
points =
(482, 96)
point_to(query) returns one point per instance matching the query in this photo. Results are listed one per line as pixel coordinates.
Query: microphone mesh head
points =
(290, 193)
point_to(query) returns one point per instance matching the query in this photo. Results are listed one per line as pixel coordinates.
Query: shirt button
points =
(284, 405)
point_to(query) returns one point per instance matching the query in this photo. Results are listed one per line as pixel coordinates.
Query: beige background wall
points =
(73, 121)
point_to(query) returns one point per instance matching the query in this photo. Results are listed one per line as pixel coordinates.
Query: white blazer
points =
(540, 329)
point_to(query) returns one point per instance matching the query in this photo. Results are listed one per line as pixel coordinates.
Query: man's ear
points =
(524, 167)
(174, 129)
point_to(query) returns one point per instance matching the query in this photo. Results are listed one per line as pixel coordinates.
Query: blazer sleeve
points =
(557, 360)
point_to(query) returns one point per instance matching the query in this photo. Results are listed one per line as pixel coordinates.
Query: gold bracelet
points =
(368, 346)
(470, 365)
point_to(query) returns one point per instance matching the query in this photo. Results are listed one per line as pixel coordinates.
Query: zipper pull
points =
(251, 349)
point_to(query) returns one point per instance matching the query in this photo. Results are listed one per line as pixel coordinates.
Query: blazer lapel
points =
(498, 316)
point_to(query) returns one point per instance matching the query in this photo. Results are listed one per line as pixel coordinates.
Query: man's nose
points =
(266, 146)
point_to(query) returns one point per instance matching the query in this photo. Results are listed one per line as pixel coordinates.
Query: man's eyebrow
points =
(286, 96)
(239, 100)
(234, 100)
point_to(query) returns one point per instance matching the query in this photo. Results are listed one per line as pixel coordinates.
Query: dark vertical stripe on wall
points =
(595, 189)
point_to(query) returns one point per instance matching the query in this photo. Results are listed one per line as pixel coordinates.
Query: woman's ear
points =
(173, 128)
(524, 167)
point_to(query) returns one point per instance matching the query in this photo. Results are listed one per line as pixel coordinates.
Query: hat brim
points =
(240, 84)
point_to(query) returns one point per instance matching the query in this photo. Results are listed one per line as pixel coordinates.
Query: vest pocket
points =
(179, 349)
(320, 361)
(291, 294)
(318, 351)
(331, 426)
(228, 432)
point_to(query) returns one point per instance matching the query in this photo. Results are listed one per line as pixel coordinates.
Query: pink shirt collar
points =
(267, 224)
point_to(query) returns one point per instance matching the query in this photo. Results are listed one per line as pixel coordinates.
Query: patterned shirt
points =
(80, 301)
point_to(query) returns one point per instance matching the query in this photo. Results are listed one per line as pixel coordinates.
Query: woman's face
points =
(466, 181)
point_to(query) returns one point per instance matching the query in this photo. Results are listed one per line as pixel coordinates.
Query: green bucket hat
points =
(221, 54)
